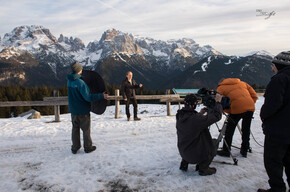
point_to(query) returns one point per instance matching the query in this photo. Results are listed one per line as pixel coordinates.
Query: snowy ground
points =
(131, 156)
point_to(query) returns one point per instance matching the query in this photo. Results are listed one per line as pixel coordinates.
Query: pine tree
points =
(18, 110)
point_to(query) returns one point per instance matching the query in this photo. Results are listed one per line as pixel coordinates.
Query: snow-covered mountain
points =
(44, 59)
(262, 53)
(253, 69)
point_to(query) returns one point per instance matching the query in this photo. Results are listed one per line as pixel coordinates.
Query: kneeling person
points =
(195, 143)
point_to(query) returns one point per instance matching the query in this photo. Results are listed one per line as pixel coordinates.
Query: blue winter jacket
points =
(79, 96)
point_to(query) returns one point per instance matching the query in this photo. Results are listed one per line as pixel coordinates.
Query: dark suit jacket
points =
(128, 89)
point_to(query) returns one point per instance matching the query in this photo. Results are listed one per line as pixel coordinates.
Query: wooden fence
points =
(57, 101)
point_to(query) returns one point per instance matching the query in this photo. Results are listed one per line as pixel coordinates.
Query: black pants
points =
(246, 125)
(134, 101)
(204, 165)
(277, 157)
(81, 122)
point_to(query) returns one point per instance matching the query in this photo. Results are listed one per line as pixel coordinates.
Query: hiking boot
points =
(128, 118)
(223, 153)
(74, 151)
(137, 119)
(243, 152)
(92, 148)
(209, 171)
(183, 165)
(263, 190)
(197, 167)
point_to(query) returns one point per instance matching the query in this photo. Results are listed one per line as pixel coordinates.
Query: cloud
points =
(229, 26)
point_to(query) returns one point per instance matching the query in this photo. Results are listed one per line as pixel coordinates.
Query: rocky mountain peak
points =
(28, 37)
(75, 44)
(110, 34)
(114, 41)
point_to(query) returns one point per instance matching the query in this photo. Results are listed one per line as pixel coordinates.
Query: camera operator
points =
(195, 143)
(275, 117)
(242, 98)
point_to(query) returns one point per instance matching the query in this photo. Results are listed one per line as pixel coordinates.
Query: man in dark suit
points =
(128, 92)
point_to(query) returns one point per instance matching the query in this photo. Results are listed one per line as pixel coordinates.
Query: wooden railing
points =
(57, 101)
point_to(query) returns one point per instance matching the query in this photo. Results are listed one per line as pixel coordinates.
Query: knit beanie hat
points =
(76, 67)
(190, 101)
(282, 60)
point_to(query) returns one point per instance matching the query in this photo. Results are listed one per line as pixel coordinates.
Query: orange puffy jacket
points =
(242, 96)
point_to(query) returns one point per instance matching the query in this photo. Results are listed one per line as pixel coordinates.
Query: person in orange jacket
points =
(242, 98)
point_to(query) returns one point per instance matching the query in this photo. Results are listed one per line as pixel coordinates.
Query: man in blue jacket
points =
(79, 98)
(276, 124)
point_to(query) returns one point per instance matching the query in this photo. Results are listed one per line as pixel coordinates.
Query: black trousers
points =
(81, 122)
(204, 165)
(277, 157)
(134, 102)
(246, 125)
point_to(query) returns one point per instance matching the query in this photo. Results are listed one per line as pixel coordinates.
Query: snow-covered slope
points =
(258, 53)
(131, 156)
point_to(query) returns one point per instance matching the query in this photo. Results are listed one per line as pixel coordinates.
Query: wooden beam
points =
(171, 99)
(52, 101)
(31, 103)
(114, 97)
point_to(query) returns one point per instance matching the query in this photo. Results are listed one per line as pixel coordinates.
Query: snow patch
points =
(246, 65)
(229, 62)
(260, 53)
(182, 51)
(159, 53)
(145, 51)
(94, 57)
(196, 72)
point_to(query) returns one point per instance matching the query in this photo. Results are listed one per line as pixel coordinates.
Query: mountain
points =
(253, 69)
(46, 59)
(33, 56)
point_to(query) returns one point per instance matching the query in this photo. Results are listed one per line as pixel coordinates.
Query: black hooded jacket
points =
(275, 113)
(194, 140)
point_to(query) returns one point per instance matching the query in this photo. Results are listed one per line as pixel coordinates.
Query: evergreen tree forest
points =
(20, 93)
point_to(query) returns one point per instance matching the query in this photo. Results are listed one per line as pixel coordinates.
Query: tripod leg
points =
(221, 137)
(234, 159)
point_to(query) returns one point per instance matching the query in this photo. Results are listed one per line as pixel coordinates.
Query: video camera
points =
(208, 98)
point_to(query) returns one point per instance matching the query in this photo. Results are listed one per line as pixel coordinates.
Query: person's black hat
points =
(190, 100)
(76, 67)
(282, 60)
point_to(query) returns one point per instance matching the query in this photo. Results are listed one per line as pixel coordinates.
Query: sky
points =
(232, 27)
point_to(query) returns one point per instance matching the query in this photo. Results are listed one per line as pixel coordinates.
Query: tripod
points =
(221, 137)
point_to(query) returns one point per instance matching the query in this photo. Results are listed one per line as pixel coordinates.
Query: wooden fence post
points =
(56, 107)
(117, 104)
(168, 104)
